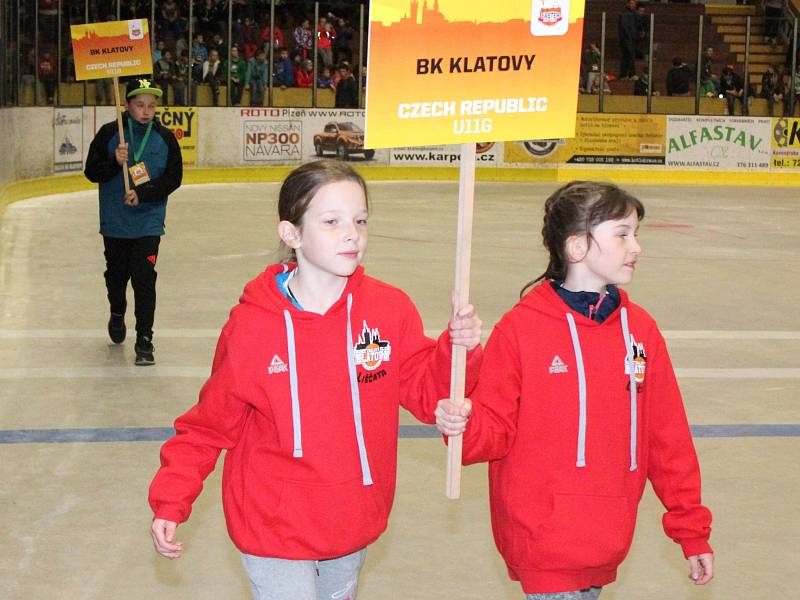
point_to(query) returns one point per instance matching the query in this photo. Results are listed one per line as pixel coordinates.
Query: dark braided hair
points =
(575, 209)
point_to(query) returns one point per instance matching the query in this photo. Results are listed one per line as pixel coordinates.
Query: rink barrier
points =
(45, 186)
(233, 145)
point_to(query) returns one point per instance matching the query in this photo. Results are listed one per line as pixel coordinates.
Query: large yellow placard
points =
(113, 49)
(458, 71)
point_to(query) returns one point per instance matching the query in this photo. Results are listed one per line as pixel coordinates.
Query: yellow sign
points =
(600, 139)
(113, 49)
(458, 71)
(183, 123)
(785, 143)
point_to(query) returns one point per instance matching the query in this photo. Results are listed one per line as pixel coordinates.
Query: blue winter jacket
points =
(161, 156)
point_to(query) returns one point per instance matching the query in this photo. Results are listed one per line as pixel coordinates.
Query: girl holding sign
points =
(304, 393)
(577, 406)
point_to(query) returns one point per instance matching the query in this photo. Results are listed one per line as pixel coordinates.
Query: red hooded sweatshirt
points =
(575, 416)
(306, 406)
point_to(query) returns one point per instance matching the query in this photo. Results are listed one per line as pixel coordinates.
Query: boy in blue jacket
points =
(132, 222)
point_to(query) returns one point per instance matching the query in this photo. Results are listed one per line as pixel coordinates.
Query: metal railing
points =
(36, 66)
(36, 63)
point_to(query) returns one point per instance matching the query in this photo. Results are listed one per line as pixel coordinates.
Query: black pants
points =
(133, 259)
(627, 64)
(236, 92)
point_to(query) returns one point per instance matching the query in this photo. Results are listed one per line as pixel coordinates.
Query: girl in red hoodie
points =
(577, 406)
(309, 373)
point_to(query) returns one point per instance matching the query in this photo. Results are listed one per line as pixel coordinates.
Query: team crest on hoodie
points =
(639, 362)
(371, 351)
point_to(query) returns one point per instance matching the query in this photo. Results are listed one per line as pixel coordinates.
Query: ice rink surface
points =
(720, 272)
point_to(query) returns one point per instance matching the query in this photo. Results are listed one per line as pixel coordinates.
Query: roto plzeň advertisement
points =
(487, 154)
(184, 124)
(785, 144)
(600, 139)
(724, 143)
(67, 139)
(290, 135)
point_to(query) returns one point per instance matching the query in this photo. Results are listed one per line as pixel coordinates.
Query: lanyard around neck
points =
(137, 154)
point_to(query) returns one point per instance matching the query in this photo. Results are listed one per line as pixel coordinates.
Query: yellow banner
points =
(113, 49)
(600, 139)
(458, 71)
(785, 143)
(183, 122)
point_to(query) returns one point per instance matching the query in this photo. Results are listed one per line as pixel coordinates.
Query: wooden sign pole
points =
(466, 196)
(121, 131)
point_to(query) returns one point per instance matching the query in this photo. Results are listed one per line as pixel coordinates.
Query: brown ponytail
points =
(575, 209)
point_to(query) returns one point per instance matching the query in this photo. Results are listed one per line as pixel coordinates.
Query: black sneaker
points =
(144, 351)
(116, 328)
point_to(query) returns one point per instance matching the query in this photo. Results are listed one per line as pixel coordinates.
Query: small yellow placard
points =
(113, 49)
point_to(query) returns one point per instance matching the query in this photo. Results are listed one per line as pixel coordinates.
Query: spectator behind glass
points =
(731, 86)
(346, 88)
(708, 64)
(170, 18)
(207, 15)
(277, 38)
(325, 38)
(324, 81)
(342, 50)
(199, 47)
(284, 70)
(47, 75)
(708, 87)
(212, 75)
(158, 50)
(772, 87)
(593, 80)
(249, 38)
(196, 77)
(164, 72)
(641, 86)
(218, 44)
(628, 36)
(679, 78)
(237, 68)
(773, 11)
(795, 84)
(304, 76)
(183, 78)
(256, 78)
(304, 38)
(591, 57)
(643, 31)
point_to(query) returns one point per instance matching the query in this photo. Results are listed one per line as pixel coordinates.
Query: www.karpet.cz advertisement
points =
(459, 71)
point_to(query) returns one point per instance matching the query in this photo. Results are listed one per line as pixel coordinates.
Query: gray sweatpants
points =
(590, 594)
(281, 579)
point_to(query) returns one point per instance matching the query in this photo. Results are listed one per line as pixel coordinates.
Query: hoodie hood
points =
(264, 293)
(545, 300)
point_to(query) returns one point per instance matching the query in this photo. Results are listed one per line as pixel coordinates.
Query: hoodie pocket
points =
(327, 519)
(582, 532)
